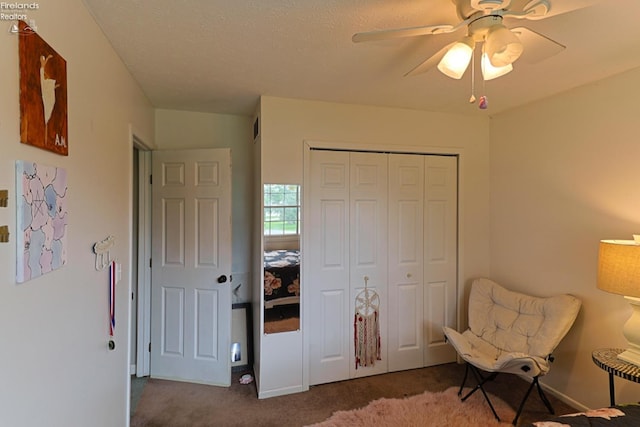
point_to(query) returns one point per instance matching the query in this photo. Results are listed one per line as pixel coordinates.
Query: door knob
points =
(222, 279)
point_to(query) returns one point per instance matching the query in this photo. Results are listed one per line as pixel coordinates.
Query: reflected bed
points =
(281, 290)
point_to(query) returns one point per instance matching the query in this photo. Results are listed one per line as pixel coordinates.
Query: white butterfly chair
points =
(510, 332)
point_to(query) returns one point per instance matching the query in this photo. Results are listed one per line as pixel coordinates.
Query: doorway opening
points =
(140, 329)
(140, 263)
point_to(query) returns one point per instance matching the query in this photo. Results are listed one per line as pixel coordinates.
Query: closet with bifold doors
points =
(384, 223)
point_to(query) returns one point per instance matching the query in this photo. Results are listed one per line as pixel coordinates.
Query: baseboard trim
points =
(558, 395)
(281, 391)
(563, 397)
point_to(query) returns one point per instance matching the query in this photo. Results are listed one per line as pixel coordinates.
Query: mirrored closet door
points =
(281, 257)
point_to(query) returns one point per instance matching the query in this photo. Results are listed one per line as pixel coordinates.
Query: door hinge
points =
(150, 179)
(150, 262)
(149, 347)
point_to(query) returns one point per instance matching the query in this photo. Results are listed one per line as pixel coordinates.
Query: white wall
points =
(288, 123)
(564, 175)
(186, 129)
(56, 368)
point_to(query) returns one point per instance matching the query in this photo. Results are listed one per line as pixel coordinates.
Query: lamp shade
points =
(455, 62)
(619, 267)
(502, 46)
(489, 72)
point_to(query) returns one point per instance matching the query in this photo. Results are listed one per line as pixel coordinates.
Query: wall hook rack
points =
(4, 234)
(4, 198)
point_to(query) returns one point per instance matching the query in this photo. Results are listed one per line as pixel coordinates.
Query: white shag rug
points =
(425, 410)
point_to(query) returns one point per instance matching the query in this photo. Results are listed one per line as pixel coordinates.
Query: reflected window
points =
(282, 287)
(281, 209)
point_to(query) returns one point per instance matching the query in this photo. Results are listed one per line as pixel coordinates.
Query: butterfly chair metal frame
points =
(482, 380)
(510, 332)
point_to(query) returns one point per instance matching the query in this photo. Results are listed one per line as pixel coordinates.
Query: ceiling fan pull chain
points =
(473, 77)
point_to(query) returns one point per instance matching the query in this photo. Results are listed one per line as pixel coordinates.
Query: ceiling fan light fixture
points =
(502, 46)
(455, 62)
(489, 72)
(490, 5)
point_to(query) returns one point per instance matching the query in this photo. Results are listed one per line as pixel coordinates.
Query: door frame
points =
(309, 145)
(142, 295)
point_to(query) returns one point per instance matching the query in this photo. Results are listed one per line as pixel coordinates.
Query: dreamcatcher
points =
(366, 324)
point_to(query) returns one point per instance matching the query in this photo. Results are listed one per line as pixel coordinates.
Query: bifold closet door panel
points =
(441, 263)
(327, 286)
(368, 194)
(406, 261)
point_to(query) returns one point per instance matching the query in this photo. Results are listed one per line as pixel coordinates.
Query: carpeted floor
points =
(175, 404)
(137, 386)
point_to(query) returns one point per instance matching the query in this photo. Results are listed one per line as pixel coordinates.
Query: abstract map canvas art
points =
(42, 219)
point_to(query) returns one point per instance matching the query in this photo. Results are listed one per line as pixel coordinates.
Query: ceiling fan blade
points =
(403, 32)
(430, 62)
(537, 47)
(556, 7)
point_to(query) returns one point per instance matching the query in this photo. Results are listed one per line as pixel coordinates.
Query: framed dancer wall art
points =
(43, 93)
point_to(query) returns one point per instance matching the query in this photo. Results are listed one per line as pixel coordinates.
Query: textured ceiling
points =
(221, 55)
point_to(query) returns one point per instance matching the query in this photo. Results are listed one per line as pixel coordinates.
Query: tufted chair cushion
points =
(512, 332)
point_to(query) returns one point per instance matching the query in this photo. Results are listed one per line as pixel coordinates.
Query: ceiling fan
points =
(483, 19)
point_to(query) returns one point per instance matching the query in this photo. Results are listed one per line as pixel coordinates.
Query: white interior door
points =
(191, 264)
(441, 256)
(348, 223)
(368, 245)
(393, 219)
(406, 261)
(328, 260)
